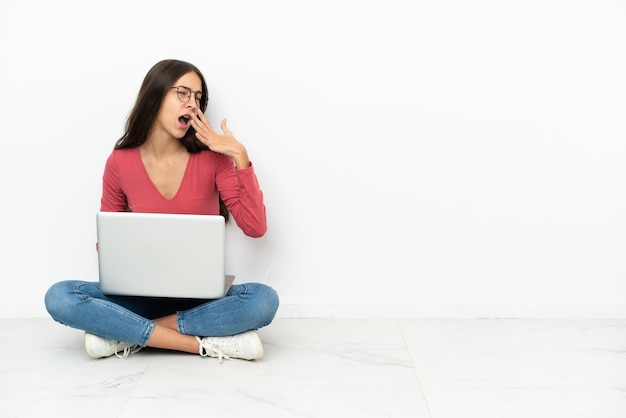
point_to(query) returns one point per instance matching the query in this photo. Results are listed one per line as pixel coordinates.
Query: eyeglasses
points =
(184, 94)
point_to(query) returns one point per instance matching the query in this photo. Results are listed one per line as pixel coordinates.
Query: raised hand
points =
(224, 143)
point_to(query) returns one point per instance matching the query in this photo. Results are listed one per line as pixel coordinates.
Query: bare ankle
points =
(170, 321)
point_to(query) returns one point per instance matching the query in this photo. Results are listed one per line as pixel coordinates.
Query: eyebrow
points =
(194, 91)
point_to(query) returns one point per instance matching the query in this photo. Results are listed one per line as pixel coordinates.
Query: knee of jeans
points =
(268, 302)
(56, 299)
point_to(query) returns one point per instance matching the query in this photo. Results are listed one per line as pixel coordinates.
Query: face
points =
(178, 106)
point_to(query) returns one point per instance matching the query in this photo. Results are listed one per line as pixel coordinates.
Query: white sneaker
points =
(98, 347)
(245, 346)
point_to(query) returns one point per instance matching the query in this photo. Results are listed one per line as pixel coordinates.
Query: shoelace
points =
(215, 348)
(128, 349)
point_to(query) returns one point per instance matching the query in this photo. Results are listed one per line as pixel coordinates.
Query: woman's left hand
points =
(225, 143)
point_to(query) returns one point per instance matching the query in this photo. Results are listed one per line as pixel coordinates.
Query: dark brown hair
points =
(155, 86)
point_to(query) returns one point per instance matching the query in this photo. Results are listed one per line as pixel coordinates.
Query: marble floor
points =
(331, 368)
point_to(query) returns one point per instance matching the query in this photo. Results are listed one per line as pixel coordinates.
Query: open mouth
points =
(184, 121)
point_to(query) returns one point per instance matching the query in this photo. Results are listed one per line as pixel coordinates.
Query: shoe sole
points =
(88, 344)
(255, 344)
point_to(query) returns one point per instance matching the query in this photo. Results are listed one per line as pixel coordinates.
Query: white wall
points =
(419, 158)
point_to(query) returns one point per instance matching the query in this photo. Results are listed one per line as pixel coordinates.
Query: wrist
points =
(241, 158)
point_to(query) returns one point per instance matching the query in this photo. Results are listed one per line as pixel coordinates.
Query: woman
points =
(170, 160)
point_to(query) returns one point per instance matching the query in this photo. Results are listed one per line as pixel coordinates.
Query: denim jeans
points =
(82, 305)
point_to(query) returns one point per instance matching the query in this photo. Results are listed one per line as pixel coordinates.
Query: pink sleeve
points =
(113, 198)
(240, 191)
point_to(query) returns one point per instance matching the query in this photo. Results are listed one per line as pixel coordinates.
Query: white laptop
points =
(161, 255)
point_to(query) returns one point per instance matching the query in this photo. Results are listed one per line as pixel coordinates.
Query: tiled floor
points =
(331, 368)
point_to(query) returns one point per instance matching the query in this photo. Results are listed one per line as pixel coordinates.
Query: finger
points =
(200, 123)
(204, 121)
(224, 127)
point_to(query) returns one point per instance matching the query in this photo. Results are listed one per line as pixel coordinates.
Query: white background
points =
(418, 158)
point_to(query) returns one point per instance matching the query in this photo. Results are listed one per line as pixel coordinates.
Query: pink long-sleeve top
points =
(126, 186)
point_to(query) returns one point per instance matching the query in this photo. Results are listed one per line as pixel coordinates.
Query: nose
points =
(191, 103)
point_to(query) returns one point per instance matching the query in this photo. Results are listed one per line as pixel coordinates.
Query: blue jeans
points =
(82, 305)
